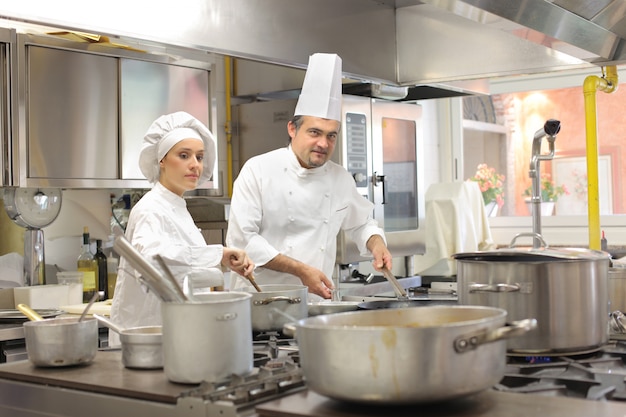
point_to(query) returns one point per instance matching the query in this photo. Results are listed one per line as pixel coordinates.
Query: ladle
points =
(93, 299)
(117, 329)
(29, 312)
(170, 277)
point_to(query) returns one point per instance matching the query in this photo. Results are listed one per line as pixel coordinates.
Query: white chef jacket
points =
(279, 207)
(161, 224)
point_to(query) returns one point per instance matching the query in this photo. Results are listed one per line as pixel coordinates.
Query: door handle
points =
(376, 179)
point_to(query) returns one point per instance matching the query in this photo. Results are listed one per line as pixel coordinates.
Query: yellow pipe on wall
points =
(228, 126)
(608, 84)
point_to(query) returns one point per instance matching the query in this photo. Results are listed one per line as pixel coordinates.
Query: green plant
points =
(490, 184)
(549, 191)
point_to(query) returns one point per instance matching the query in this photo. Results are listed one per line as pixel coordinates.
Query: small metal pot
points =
(142, 347)
(277, 305)
(61, 341)
(404, 356)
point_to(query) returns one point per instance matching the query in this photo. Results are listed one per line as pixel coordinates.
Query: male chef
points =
(288, 205)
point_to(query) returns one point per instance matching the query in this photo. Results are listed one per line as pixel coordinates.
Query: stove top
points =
(595, 376)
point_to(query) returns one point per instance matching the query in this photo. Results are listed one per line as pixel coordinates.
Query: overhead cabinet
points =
(86, 112)
(72, 115)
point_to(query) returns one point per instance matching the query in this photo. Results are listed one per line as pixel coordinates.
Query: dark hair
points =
(297, 122)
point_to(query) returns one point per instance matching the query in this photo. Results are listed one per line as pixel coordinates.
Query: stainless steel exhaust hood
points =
(590, 30)
(404, 43)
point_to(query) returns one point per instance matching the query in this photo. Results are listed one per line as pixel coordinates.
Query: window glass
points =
(499, 132)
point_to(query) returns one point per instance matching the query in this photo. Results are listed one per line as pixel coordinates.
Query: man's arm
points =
(312, 277)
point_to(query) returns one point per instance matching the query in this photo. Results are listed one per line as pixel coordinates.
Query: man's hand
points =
(237, 260)
(382, 256)
(313, 278)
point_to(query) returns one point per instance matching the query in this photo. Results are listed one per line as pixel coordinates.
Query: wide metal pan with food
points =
(276, 305)
(405, 356)
(57, 342)
(565, 289)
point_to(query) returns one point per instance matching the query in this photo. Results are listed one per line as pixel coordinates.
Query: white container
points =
(42, 296)
(74, 281)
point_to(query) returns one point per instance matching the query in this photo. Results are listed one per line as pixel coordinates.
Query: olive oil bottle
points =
(88, 265)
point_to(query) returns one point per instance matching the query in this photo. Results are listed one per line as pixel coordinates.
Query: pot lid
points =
(534, 254)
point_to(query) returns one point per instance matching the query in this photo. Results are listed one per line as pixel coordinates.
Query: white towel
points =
(456, 222)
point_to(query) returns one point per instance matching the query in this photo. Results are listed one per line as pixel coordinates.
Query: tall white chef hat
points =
(167, 131)
(321, 90)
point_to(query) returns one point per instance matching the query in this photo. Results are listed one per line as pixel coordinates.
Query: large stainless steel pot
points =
(565, 289)
(207, 339)
(277, 305)
(617, 289)
(61, 341)
(402, 356)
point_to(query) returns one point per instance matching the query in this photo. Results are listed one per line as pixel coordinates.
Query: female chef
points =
(178, 153)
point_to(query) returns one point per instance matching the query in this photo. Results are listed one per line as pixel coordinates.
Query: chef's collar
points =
(299, 169)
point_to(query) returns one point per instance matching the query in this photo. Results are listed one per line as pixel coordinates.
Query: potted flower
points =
(490, 184)
(550, 193)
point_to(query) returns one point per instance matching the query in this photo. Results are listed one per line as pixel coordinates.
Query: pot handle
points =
(533, 235)
(474, 287)
(269, 300)
(471, 341)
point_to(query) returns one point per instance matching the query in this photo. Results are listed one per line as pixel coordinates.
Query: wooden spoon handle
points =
(253, 282)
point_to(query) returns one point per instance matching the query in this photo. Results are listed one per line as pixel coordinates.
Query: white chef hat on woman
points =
(167, 131)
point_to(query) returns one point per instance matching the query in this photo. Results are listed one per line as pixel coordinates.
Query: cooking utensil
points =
(16, 316)
(290, 299)
(253, 282)
(60, 341)
(117, 329)
(142, 347)
(399, 290)
(403, 356)
(29, 312)
(565, 289)
(209, 339)
(150, 276)
(169, 275)
(92, 300)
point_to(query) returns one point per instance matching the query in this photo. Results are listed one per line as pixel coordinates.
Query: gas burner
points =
(598, 375)
(276, 378)
(269, 335)
(273, 344)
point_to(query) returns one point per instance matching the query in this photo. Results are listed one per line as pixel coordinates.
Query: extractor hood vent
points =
(395, 93)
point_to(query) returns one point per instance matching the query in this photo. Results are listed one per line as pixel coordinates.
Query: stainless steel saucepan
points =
(142, 347)
(62, 341)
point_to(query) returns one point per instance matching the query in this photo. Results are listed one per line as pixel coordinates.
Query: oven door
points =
(382, 148)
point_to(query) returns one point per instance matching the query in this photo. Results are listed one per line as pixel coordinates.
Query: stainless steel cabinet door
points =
(72, 115)
(150, 90)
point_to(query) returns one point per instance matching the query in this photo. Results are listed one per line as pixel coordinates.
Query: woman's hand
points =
(237, 260)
